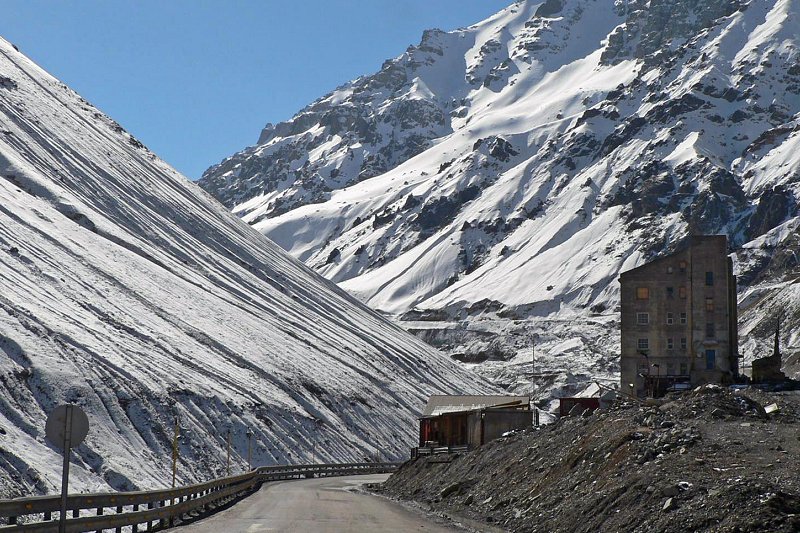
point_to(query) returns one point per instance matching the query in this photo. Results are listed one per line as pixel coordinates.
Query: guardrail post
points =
(135, 527)
(12, 520)
(99, 513)
(149, 522)
(163, 522)
(48, 516)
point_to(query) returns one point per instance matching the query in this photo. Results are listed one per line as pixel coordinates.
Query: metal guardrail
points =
(158, 509)
(437, 450)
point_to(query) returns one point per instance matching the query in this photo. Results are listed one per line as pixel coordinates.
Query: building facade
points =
(679, 320)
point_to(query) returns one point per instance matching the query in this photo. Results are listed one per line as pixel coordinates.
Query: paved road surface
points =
(323, 505)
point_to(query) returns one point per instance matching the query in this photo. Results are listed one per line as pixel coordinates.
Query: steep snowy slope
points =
(511, 170)
(131, 292)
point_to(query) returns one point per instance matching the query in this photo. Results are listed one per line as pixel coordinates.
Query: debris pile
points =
(712, 459)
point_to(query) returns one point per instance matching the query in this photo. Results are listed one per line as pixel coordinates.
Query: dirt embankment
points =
(711, 460)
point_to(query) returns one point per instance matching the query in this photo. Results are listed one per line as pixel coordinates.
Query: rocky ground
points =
(712, 459)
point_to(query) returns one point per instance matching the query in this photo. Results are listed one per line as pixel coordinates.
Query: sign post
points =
(66, 427)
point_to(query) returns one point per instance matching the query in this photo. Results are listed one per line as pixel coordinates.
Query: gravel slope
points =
(712, 460)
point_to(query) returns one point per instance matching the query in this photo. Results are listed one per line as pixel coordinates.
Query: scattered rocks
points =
(668, 505)
(669, 467)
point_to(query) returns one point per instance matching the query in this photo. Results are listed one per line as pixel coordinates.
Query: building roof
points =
(595, 390)
(694, 240)
(441, 404)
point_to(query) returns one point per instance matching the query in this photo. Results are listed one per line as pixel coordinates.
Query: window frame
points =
(639, 318)
(711, 359)
(670, 319)
(643, 344)
(684, 319)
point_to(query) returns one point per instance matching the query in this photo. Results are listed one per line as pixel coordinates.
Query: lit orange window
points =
(682, 292)
(710, 304)
(682, 266)
(642, 293)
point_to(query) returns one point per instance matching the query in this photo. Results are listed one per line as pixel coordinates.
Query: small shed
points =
(591, 398)
(471, 420)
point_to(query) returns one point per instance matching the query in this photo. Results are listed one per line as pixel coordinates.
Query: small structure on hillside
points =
(679, 320)
(768, 369)
(590, 399)
(471, 420)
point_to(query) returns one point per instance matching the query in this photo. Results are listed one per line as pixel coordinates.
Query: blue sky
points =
(197, 80)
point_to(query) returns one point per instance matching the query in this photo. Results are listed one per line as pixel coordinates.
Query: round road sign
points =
(67, 421)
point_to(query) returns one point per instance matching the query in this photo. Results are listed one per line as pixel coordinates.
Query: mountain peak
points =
(528, 159)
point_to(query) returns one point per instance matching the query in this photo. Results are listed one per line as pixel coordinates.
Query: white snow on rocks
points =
(129, 291)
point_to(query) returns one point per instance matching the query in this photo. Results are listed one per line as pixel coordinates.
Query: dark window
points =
(670, 343)
(670, 292)
(670, 368)
(682, 292)
(642, 293)
(709, 278)
(670, 319)
(683, 343)
(643, 344)
(684, 369)
(710, 305)
(642, 318)
(711, 359)
(683, 318)
(709, 330)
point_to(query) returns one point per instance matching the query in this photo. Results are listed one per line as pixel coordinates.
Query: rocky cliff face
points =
(510, 170)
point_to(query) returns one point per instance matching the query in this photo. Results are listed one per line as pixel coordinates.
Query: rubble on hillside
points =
(709, 460)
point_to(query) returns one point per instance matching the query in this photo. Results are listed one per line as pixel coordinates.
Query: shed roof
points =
(440, 404)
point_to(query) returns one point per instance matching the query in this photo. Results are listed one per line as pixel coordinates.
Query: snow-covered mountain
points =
(128, 290)
(510, 170)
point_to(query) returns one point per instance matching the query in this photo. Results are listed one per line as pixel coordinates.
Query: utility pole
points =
(533, 381)
(249, 449)
(228, 463)
(314, 445)
(175, 451)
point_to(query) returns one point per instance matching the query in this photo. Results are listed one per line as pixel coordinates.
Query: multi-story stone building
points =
(679, 321)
